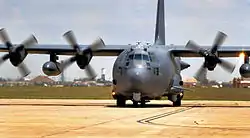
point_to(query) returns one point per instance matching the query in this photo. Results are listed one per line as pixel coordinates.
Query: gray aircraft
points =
(141, 72)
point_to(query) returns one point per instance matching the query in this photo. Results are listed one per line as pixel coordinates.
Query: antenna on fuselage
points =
(138, 43)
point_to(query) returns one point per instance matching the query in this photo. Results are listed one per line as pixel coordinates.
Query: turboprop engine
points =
(82, 57)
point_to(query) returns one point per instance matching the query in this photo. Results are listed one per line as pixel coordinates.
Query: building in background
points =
(103, 74)
(189, 82)
(241, 82)
(42, 80)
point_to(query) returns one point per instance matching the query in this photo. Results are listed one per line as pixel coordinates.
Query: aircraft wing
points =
(223, 51)
(108, 50)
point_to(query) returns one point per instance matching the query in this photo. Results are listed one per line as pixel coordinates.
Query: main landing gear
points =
(177, 102)
(120, 101)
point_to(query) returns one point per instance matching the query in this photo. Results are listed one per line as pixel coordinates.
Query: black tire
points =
(120, 101)
(143, 103)
(135, 103)
(177, 103)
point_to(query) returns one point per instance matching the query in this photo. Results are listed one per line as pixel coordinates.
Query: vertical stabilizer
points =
(160, 24)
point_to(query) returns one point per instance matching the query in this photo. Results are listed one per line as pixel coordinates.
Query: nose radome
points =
(137, 77)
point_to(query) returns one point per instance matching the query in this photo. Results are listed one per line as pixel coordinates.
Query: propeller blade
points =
(98, 43)
(219, 39)
(66, 63)
(229, 67)
(4, 58)
(31, 40)
(201, 74)
(5, 38)
(90, 72)
(71, 39)
(196, 48)
(193, 46)
(23, 69)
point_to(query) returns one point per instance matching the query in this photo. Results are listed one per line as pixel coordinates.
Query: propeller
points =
(82, 57)
(17, 53)
(211, 58)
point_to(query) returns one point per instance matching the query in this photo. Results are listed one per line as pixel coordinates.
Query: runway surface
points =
(100, 118)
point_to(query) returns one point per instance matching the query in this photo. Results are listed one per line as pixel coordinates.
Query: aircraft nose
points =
(137, 77)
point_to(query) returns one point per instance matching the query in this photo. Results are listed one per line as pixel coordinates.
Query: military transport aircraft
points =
(141, 72)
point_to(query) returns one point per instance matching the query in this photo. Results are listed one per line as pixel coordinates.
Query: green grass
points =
(105, 93)
(55, 93)
(218, 94)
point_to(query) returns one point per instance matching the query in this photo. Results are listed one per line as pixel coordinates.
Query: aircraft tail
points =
(160, 24)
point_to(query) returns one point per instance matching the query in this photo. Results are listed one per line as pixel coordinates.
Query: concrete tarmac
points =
(101, 118)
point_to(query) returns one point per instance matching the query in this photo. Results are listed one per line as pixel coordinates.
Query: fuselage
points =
(146, 70)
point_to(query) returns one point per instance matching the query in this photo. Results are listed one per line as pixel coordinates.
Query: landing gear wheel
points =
(135, 103)
(120, 101)
(178, 101)
(143, 103)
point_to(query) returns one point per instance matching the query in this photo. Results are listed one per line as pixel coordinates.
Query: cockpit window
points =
(131, 56)
(138, 57)
(141, 57)
(145, 57)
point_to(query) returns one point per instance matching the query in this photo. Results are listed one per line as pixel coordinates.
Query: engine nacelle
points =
(51, 68)
(211, 62)
(245, 70)
(17, 55)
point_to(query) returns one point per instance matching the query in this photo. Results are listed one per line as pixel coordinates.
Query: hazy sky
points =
(123, 22)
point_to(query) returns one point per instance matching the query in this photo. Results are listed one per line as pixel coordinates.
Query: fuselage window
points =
(129, 58)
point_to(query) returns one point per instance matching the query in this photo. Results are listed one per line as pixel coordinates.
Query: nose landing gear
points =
(138, 99)
(136, 103)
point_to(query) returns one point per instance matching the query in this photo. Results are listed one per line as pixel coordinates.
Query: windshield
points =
(137, 57)
(141, 57)
(145, 57)
(131, 56)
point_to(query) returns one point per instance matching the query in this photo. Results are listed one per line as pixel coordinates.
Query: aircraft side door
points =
(124, 63)
(155, 65)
